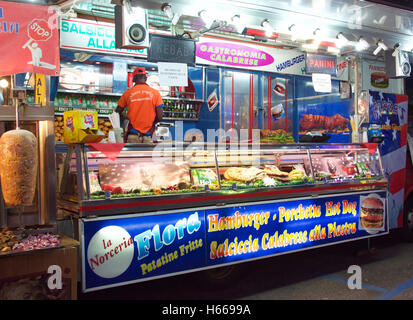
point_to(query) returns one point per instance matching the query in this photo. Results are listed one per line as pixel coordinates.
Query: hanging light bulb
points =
(267, 26)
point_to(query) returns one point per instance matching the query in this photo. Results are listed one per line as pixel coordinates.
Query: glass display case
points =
(146, 178)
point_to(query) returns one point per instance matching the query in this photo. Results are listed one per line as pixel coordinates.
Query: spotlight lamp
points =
(236, 21)
(206, 17)
(362, 44)
(267, 26)
(341, 40)
(380, 46)
(167, 9)
(293, 31)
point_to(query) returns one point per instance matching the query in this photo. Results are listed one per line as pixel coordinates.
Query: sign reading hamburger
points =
(372, 212)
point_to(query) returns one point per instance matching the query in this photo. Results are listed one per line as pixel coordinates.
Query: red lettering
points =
(94, 262)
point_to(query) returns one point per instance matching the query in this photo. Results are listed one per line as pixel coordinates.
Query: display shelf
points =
(100, 111)
(282, 170)
(182, 98)
(179, 119)
(95, 93)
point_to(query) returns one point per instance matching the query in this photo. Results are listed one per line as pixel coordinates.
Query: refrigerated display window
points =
(205, 168)
(344, 165)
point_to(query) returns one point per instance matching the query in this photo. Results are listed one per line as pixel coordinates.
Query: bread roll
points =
(18, 167)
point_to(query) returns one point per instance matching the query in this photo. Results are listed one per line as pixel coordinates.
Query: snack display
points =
(272, 169)
(59, 128)
(105, 126)
(18, 167)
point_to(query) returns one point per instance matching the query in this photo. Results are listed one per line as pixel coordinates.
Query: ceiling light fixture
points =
(317, 37)
(317, 33)
(293, 32)
(380, 46)
(267, 26)
(236, 21)
(341, 40)
(362, 44)
(167, 9)
(206, 17)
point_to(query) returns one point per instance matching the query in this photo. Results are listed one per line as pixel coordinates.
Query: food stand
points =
(264, 184)
(202, 206)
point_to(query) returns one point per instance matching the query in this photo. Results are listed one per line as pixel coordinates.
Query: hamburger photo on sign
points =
(372, 212)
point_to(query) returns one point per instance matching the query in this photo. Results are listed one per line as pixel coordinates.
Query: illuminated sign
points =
(319, 63)
(137, 248)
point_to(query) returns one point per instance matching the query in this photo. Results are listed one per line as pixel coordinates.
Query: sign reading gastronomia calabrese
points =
(135, 248)
(30, 39)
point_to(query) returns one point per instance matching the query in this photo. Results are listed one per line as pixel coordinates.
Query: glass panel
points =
(255, 101)
(237, 100)
(137, 173)
(278, 94)
(264, 168)
(345, 165)
(140, 173)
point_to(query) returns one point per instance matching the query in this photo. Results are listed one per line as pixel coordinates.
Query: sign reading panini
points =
(233, 54)
(319, 63)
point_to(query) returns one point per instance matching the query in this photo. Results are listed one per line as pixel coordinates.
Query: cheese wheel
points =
(18, 167)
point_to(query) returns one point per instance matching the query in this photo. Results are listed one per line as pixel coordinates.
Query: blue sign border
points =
(190, 241)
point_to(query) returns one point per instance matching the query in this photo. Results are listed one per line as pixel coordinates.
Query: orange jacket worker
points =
(144, 108)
